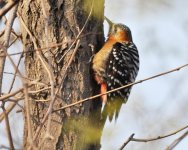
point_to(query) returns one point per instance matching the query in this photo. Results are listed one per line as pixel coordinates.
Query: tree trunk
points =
(61, 21)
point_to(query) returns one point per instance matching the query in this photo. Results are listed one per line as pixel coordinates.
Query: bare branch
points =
(7, 126)
(50, 72)
(9, 108)
(177, 141)
(131, 138)
(4, 97)
(31, 81)
(126, 142)
(51, 45)
(14, 77)
(38, 91)
(6, 43)
(7, 7)
(122, 87)
(159, 137)
(25, 87)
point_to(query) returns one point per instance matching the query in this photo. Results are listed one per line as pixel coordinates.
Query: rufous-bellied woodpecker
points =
(116, 64)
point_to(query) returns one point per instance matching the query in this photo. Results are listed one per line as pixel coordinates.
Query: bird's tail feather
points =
(112, 108)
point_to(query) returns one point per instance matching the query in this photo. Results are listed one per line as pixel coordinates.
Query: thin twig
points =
(122, 87)
(177, 141)
(8, 110)
(38, 91)
(7, 127)
(50, 72)
(7, 7)
(131, 138)
(31, 81)
(5, 45)
(16, 99)
(25, 87)
(14, 77)
(43, 100)
(159, 137)
(13, 41)
(52, 45)
(27, 102)
(28, 113)
(126, 142)
(4, 97)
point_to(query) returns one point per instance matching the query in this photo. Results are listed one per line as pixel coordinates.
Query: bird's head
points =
(119, 32)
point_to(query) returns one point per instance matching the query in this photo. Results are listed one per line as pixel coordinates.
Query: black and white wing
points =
(121, 69)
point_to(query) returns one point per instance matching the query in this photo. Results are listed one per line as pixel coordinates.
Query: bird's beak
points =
(109, 21)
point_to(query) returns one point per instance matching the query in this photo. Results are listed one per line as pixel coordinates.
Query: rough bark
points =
(75, 127)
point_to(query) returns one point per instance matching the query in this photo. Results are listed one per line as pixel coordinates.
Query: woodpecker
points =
(116, 64)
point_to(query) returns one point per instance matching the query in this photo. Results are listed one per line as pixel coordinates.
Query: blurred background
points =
(159, 106)
(156, 107)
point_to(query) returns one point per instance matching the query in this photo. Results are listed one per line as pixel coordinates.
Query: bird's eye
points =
(115, 29)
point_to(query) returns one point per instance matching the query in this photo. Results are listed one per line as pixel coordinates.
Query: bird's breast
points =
(100, 58)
